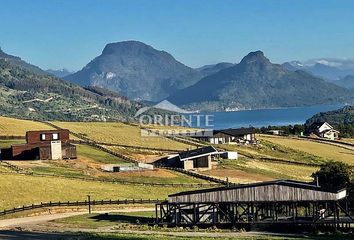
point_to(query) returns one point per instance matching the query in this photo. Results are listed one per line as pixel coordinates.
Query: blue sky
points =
(70, 33)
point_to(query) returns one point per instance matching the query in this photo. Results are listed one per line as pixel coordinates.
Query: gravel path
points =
(26, 221)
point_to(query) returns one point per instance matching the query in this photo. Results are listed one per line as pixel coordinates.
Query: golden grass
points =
(119, 133)
(17, 190)
(246, 170)
(326, 151)
(17, 127)
(282, 170)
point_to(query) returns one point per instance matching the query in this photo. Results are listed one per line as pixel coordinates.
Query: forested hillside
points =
(26, 94)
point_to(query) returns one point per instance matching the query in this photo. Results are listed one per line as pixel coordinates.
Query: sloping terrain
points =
(26, 94)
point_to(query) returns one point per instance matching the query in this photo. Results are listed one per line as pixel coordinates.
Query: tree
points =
(334, 175)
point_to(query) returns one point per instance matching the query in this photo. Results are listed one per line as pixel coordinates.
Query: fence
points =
(327, 141)
(124, 146)
(12, 137)
(200, 176)
(79, 204)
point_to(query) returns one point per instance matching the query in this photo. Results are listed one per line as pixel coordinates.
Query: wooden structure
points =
(44, 145)
(267, 205)
(232, 136)
(198, 159)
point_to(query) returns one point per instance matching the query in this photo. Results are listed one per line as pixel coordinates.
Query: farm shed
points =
(119, 168)
(229, 155)
(282, 190)
(44, 145)
(199, 159)
(266, 204)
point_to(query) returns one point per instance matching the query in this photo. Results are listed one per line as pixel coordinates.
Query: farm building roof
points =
(190, 154)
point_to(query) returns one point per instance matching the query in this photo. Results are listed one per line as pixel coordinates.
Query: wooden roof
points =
(279, 190)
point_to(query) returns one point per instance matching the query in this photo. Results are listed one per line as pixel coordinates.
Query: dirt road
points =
(25, 221)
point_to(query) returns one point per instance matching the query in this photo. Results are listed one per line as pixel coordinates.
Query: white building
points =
(323, 130)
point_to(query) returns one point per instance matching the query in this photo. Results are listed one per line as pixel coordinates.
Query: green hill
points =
(28, 94)
(342, 120)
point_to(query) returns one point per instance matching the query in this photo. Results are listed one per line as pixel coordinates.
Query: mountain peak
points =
(130, 45)
(257, 56)
(137, 71)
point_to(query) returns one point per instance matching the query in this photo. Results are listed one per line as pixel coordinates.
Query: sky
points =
(70, 33)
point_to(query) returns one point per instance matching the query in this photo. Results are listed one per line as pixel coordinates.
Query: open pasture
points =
(246, 170)
(88, 165)
(17, 190)
(18, 127)
(322, 150)
(119, 133)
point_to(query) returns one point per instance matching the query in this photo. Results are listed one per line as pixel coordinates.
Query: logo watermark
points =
(180, 123)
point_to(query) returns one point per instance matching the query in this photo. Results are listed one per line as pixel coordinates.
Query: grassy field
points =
(119, 133)
(17, 127)
(246, 170)
(146, 156)
(17, 190)
(325, 151)
(88, 165)
(88, 152)
(267, 149)
(8, 143)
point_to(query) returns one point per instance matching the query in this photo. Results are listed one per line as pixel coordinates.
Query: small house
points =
(276, 132)
(323, 130)
(198, 159)
(42, 145)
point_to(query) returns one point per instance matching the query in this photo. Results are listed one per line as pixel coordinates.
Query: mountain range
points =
(26, 91)
(107, 87)
(136, 70)
(329, 69)
(213, 68)
(257, 83)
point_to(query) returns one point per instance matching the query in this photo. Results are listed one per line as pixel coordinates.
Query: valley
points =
(273, 158)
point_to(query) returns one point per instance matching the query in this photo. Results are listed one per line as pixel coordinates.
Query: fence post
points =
(89, 203)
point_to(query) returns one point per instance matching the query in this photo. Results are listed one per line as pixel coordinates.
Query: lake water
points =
(266, 117)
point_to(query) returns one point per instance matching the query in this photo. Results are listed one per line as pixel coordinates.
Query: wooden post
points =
(89, 203)
(156, 217)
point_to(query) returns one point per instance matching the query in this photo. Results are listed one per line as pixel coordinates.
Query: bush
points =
(334, 175)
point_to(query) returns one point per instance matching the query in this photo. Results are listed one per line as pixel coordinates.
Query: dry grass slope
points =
(17, 127)
(326, 151)
(23, 189)
(119, 133)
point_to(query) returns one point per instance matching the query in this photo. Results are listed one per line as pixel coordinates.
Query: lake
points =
(266, 117)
